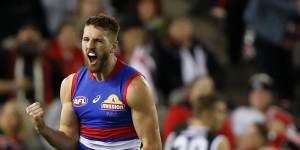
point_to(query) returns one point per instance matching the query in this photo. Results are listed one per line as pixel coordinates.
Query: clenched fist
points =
(36, 113)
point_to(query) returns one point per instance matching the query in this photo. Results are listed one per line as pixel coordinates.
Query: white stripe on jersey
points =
(216, 142)
(192, 138)
(134, 144)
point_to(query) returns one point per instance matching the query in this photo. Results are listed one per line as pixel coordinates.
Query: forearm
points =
(152, 146)
(152, 142)
(58, 139)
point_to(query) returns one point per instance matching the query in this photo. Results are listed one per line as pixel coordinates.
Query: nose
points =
(90, 44)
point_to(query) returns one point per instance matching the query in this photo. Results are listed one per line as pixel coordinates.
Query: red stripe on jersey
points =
(116, 68)
(91, 75)
(124, 94)
(73, 84)
(108, 133)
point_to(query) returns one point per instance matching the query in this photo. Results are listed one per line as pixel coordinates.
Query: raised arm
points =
(144, 115)
(67, 135)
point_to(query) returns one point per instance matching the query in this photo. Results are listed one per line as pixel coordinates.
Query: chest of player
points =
(100, 103)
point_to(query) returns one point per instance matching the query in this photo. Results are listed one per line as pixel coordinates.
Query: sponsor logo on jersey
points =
(112, 103)
(95, 100)
(80, 101)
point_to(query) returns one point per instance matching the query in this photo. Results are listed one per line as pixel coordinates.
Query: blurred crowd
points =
(247, 51)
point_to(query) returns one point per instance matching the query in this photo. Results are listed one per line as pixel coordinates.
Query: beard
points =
(102, 62)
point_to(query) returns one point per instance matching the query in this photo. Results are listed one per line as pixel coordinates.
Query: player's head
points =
(260, 91)
(181, 30)
(99, 41)
(210, 109)
(201, 86)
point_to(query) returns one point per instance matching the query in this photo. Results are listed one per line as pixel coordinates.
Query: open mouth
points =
(92, 57)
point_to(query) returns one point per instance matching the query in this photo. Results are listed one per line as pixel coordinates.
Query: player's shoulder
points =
(68, 79)
(139, 92)
(66, 87)
(139, 81)
(138, 87)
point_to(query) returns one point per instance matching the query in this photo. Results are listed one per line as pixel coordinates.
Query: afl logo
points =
(80, 101)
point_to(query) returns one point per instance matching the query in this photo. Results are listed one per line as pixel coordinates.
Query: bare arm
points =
(144, 115)
(67, 135)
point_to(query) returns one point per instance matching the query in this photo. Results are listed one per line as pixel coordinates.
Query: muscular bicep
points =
(144, 115)
(68, 120)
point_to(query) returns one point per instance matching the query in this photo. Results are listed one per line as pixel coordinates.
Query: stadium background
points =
(174, 43)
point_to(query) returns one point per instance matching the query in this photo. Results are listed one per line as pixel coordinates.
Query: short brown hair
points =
(205, 103)
(104, 21)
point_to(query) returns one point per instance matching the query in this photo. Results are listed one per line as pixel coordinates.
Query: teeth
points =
(92, 54)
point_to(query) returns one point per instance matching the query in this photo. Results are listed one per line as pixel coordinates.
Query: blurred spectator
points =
(208, 18)
(28, 62)
(17, 12)
(180, 59)
(261, 97)
(270, 20)
(28, 65)
(64, 55)
(56, 11)
(8, 85)
(17, 132)
(87, 8)
(90, 7)
(137, 51)
(132, 35)
(199, 131)
(282, 130)
(149, 13)
(255, 137)
(180, 112)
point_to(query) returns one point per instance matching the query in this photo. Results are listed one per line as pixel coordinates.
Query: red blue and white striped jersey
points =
(102, 110)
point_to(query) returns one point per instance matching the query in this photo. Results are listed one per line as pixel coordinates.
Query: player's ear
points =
(114, 46)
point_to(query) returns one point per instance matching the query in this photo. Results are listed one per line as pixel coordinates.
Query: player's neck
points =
(106, 71)
(198, 122)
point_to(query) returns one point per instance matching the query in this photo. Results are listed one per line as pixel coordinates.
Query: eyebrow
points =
(97, 38)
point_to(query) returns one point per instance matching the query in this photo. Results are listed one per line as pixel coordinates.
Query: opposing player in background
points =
(198, 133)
(106, 104)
